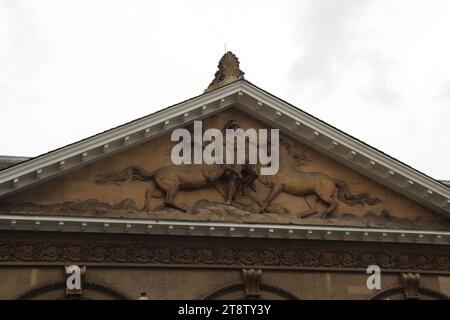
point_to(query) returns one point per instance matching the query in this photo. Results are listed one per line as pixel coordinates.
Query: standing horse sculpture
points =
(291, 180)
(170, 179)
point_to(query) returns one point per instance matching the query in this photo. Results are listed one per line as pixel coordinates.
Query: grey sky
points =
(378, 70)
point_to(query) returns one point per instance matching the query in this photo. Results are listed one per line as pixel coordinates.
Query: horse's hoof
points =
(307, 214)
(186, 209)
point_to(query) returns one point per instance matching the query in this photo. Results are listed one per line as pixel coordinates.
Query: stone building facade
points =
(139, 226)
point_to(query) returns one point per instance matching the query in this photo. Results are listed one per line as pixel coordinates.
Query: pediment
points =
(370, 188)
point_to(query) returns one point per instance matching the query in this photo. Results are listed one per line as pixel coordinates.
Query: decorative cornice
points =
(66, 224)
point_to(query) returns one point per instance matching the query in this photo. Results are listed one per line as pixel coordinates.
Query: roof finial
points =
(228, 71)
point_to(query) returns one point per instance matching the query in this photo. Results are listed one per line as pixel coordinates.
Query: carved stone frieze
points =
(212, 252)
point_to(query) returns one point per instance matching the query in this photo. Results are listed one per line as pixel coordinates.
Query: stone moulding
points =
(309, 230)
(93, 285)
(208, 252)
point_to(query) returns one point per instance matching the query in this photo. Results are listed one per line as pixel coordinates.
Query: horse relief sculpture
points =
(233, 181)
(239, 179)
(173, 178)
(295, 182)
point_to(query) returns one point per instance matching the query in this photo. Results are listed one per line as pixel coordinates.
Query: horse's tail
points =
(344, 195)
(128, 174)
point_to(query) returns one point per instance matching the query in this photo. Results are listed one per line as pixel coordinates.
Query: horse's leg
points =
(170, 185)
(148, 198)
(171, 202)
(332, 204)
(170, 198)
(248, 182)
(152, 193)
(312, 208)
(276, 189)
(236, 170)
(231, 189)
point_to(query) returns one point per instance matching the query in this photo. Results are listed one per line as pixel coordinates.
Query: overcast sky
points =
(378, 70)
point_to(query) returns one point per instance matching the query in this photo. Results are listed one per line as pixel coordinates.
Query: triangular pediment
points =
(64, 181)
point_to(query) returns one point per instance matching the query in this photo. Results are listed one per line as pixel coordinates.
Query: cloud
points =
(379, 88)
(444, 91)
(20, 53)
(332, 37)
(325, 35)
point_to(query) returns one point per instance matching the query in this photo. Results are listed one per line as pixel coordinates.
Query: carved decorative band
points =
(22, 252)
